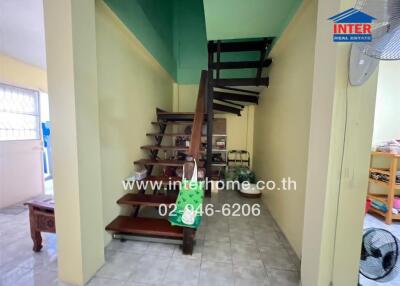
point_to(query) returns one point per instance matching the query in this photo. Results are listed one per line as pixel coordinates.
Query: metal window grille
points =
(19, 113)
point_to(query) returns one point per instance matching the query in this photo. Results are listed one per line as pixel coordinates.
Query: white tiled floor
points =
(229, 251)
(375, 222)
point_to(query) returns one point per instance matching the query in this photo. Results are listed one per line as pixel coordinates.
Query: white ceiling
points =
(22, 31)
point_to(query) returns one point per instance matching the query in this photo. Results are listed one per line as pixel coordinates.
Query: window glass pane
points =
(19, 113)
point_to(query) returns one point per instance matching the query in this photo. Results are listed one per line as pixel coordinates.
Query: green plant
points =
(244, 174)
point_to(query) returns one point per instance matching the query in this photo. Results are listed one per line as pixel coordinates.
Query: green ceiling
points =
(234, 19)
(176, 31)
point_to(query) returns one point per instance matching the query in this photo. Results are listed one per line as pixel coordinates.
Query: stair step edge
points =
(145, 226)
(146, 200)
(159, 162)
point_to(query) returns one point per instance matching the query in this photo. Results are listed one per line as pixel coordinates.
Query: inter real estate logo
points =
(352, 26)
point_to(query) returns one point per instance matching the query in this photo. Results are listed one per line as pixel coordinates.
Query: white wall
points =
(387, 110)
(131, 84)
(21, 176)
(282, 122)
(21, 167)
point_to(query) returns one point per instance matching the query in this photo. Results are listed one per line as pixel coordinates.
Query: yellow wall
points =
(131, 84)
(239, 128)
(74, 108)
(282, 121)
(387, 119)
(337, 177)
(185, 97)
(17, 73)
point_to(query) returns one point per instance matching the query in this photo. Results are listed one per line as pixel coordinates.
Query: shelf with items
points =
(381, 198)
(219, 149)
(384, 184)
(385, 154)
(388, 179)
(181, 143)
(219, 164)
(383, 171)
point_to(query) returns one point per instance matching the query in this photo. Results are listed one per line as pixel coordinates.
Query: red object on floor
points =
(367, 205)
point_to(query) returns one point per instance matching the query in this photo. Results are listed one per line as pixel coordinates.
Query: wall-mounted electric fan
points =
(385, 44)
(380, 255)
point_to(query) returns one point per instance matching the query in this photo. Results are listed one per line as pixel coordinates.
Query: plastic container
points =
(396, 203)
(141, 174)
(395, 149)
(367, 205)
(250, 190)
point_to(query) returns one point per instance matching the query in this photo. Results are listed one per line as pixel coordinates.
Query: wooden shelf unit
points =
(391, 187)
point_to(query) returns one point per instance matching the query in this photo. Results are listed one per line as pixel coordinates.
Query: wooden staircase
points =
(226, 97)
(215, 93)
(138, 227)
(153, 227)
(230, 94)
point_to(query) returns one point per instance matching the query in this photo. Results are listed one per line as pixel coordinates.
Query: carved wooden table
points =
(41, 216)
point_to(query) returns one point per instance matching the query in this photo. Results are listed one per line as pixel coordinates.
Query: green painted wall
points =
(235, 19)
(174, 31)
(160, 14)
(190, 40)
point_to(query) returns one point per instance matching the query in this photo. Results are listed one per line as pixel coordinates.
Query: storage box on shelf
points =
(389, 184)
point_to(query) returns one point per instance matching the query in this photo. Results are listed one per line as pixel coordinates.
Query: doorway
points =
(45, 127)
(21, 162)
(383, 199)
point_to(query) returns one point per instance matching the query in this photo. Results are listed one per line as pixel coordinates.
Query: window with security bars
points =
(19, 113)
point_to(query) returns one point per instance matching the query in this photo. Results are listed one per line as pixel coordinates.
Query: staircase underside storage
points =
(215, 94)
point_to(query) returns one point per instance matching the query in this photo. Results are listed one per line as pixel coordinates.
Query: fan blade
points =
(385, 48)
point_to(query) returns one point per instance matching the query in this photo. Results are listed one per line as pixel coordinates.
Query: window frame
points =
(36, 94)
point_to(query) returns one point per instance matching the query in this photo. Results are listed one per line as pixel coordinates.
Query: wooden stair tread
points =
(175, 113)
(174, 163)
(240, 46)
(177, 116)
(163, 147)
(222, 95)
(241, 65)
(146, 200)
(227, 108)
(172, 122)
(161, 178)
(155, 147)
(145, 226)
(241, 81)
(185, 122)
(169, 134)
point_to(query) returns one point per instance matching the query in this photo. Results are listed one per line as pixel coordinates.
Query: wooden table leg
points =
(188, 240)
(37, 240)
(41, 217)
(35, 234)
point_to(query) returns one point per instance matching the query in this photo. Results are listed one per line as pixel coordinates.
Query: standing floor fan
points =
(380, 255)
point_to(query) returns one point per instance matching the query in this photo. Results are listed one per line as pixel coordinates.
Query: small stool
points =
(41, 217)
